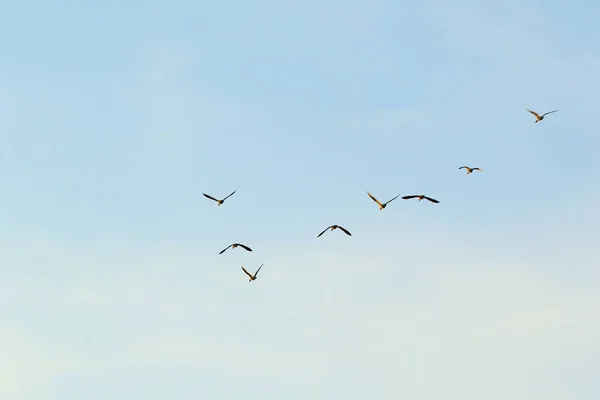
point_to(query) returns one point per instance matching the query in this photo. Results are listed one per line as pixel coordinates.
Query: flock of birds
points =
(381, 205)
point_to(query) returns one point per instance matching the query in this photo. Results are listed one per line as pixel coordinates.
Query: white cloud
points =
(465, 326)
(455, 323)
(28, 362)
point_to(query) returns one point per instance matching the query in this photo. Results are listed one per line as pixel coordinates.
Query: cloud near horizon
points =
(315, 321)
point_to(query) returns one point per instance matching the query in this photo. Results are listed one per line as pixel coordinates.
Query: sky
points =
(116, 116)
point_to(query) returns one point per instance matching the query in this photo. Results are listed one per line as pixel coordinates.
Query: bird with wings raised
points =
(234, 245)
(420, 197)
(381, 206)
(539, 117)
(252, 277)
(219, 202)
(469, 169)
(332, 227)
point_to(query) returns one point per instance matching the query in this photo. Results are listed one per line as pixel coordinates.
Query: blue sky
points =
(115, 118)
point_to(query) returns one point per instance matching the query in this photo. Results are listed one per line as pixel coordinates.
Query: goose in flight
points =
(332, 227)
(420, 197)
(219, 202)
(539, 117)
(381, 206)
(252, 277)
(234, 245)
(469, 169)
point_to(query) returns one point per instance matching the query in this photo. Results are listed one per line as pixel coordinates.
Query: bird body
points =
(469, 169)
(539, 117)
(333, 227)
(381, 206)
(234, 245)
(219, 202)
(420, 197)
(252, 277)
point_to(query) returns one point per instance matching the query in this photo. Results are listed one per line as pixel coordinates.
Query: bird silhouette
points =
(252, 277)
(234, 245)
(332, 227)
(469, 169)
(539, 117)
(420, 197)
(219, 202)
(381, 206)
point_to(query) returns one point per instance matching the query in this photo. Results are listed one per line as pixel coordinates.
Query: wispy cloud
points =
(315, 320)
(108, 250)
(28, 361)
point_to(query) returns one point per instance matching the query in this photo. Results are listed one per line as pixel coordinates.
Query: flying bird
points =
(234, 245)
(252, 277)
(381, 206)
(539, 117)
(420, 197)
(219, 202)
(469, 169)
(332, 227)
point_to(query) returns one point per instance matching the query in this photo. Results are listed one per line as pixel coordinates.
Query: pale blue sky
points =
(115, 117)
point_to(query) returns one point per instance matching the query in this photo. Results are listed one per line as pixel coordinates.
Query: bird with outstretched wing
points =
(469, 169)
(420, 197)
(252, 277)
(539, 117)
(381, 206)
(332, 227)
(219, 202)
(234, 245)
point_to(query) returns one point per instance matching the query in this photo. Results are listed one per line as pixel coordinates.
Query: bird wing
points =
(410, 197)
(464, 166)
(222, 251)
(229, 195)
(256, 273)
(534, 113)
(430, 199)
(345, 231)
(549, 112)
(324, 230)
(478, 169)
(389, 201)
(210, 197)
(244, 246)
(247, 273)
(374, 199)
